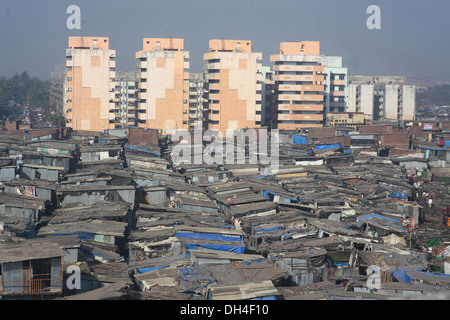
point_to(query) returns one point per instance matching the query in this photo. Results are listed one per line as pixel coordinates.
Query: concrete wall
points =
(391, 102)
(351, 98)
(409, 102)
(366, 99)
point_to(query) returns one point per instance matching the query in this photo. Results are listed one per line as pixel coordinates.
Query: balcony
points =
(299, 68)
(290, 97)
(337, 93)
(212, 66)
(337, 82)
(292, 77)
(307, 117)
(284, 117)
(311, 107)
(212, 76)
(315, 97)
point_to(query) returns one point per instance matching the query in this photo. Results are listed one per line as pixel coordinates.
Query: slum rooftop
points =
(142, 227)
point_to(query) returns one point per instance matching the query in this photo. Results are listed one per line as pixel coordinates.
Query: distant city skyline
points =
(412, 41)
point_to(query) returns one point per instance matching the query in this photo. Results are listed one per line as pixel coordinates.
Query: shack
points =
(30, 269)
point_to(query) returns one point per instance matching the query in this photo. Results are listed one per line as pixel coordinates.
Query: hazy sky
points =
(414, 39)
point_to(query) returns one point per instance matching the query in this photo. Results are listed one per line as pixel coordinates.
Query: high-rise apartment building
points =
(197, 93)
(335, 84)
(90, 82)
(125, 100)
(233, 80)
(299, 86)
(382, 97)
(57, 92)
(163, 97)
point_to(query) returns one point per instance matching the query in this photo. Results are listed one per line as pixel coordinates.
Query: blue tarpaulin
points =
(262, 230)
(447, 143)
(145, 270)
(220, 247)
(401, 276)
(208, 236)
(194, 279)
(327, 146)
(297, 139)
(266, 298)
(379, 216)
(398, 195)
(286, 199)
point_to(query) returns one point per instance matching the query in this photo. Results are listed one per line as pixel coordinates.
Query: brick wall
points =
(400, 141)
(143, 136)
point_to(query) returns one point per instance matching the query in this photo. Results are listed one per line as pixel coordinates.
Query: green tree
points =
(23, 89)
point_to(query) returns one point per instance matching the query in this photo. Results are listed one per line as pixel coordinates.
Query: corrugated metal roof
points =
(243, 291)
(29, 251)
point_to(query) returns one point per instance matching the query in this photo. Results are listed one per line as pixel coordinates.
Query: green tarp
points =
(432, 242)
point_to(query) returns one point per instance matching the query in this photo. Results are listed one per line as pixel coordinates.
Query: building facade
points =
(335, 84)
(299, 86)
(382, 97)
(90, 82)
(348, 119)
(163, 76)
(233, 80)
(57, 92)
(197, 100)
(125, 100)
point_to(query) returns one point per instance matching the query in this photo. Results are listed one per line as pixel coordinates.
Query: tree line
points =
(24, 90)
